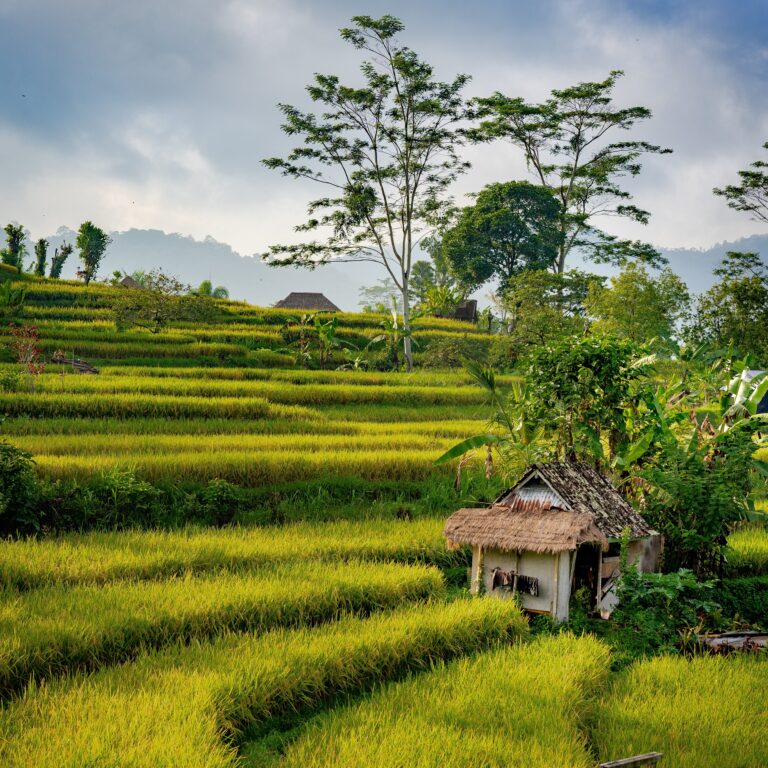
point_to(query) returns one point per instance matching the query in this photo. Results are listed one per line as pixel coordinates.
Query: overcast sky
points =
(156, 113)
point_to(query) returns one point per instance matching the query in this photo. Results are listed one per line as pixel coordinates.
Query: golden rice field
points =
(311, 643)
(522, 705)
(66, 628)
(192, 705)
(105, 557)
(222, 399)
(708, 712)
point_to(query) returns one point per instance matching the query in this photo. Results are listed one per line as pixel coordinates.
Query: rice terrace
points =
(460, 470)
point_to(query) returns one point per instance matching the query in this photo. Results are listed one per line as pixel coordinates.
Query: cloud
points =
(157, 114)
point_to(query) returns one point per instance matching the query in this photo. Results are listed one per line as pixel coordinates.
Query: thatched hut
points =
(129, 282)
(307, 302)
(558, 529)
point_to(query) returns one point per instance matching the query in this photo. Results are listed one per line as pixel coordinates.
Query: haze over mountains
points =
(249, 279)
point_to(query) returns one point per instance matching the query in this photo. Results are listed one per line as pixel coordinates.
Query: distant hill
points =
(695, 266)
(248, 278)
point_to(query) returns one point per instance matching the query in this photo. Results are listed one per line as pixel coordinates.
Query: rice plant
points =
(190, 705)
(707, 712)
(242, 468)
(100, 558)
(747, 551)
(519, 706)
(63, 628)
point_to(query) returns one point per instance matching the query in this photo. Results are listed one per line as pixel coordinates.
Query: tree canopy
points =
(15, 249)
(637, 306)
(92, 243)
(734, 311)
(60, 255)
(751, 195)
(512, 227)
(564, 143)
(41, 256)
(162, 300)
(385, 151)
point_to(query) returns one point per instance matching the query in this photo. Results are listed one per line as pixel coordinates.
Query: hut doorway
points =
(586, 570)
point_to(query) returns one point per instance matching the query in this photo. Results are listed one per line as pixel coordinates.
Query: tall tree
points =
(386, 151)
(41, 256)
(92, 242)
(206, 288)
(638, 306)
(60, 255)
(565, 147)
(752, 194)
(511, 227)
(15, 249)
(734, 311)
(541, 307)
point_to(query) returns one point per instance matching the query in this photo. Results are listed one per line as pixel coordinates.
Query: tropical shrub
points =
(19, 491)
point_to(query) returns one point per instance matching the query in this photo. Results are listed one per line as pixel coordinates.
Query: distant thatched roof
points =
(528, 527)
(307, 301)
(580, 488)
(129, 282)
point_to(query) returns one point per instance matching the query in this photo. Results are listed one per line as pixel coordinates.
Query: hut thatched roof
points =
(580, 488)
(529, 527)
(307, 301)
(129, 282)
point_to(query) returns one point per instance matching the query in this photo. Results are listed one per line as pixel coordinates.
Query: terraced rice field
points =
(306, 644)
(222, 399)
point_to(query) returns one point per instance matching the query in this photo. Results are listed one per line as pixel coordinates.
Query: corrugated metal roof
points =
(582, 489)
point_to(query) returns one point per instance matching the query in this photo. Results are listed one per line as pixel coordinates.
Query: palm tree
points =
(206, 289)
(517, 438)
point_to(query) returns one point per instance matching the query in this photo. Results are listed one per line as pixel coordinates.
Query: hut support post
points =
(477, 570)
(555, 585)
(599, 594)
(572, 579)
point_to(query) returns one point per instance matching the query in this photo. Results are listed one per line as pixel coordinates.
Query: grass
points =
(60, 629)
(747, 552)
(190, 705)
(100, 558)
(520, 706)
(242, 468)
(708, 712)
(126, 405)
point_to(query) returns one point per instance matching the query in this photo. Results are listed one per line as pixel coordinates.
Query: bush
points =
(450, 352)
(656, 609)
(11, 380)
(19, 491)
(120, 500)
(744, 599)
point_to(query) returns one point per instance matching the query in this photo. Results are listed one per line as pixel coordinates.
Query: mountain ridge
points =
(248, 278)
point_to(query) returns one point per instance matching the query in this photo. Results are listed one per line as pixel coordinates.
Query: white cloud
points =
(175, 108)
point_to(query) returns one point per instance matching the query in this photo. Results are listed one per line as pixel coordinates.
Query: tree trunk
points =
(407, 351)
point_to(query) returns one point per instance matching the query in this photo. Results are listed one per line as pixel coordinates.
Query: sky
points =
(157, 113)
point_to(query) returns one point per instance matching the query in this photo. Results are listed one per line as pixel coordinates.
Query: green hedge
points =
(746, 598)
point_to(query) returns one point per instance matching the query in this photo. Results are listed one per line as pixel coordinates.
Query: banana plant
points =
(515, 436)
(393, 334)
(742, 397)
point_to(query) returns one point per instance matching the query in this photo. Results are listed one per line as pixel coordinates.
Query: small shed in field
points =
(557, 530)
(466, 310)
(129, 282)
(307, 302)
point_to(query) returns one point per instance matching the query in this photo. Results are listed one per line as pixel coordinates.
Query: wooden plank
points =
(651, 758)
